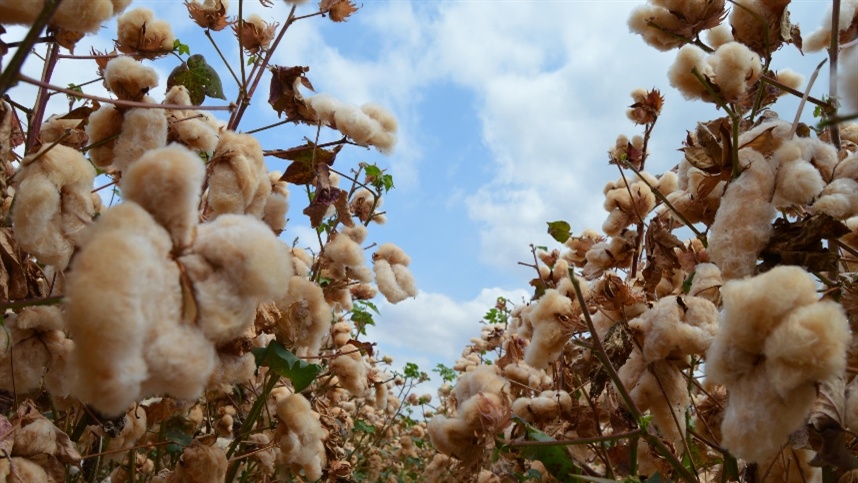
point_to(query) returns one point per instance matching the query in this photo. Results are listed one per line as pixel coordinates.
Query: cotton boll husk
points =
(143, 130)
(237, 176)
(235, 264)
(305, 316)
(742, 225)
(351, 370)
(839, 199)
(753, 307)
(167, 182)
(122, 267)
(24, 469)
(104, 123)
(821, 38)
(277, 204)
(808, 346)
(849, 77)
(139, 31)
(128, 79)
(52, 204)
(680, 76)
(23, 350)
(735, 67)
(758, 421)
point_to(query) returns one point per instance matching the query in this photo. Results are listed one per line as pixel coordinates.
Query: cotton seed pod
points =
(254, 34)
(200, 463)
(392, 276)
(67, 132)
(707, 283)
(301, 436)
(821, 38)
(350, 368)
(140, 33)
(128, 79)
(52, 204)
(798, 181)
(167, 183)
(239, 180)
(143, 130)
(211, 14)
(74, 15)
(231, 370)
(124, 263)
(235, 264)
(838, 199)
(305, 316)
(553, 320)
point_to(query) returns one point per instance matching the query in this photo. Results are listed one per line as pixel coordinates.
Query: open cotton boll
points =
(231, 370)
(186, 126)
(553, 320)
(354, 123)
(718, 36)
(235, 264)
(660, 38)
(23, 356)
(128, 79)
(707, 282)
(74, 15)
(305, 317)
(808, 346)
(798, 183)
(452, 437)
(301, 436)
(139, 32)
(122, 267)
(742, 225)
(392, 276)
(180, 359)
(277, 204)
(680, 76)
(103, 128)
(735, 68)
(839, 199)
(239, 180)
(325, 106)
(645, 383)
(676, 327)
(821, 38)
(167, 183)
(343, 255)
(52, 203)
(482, 379)
(143, 130)
(351, 370)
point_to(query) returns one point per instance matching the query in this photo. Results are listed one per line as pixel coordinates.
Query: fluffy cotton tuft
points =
(140, 33)
(821, 38)
(735, 68)
(392, 276)
(849, 77)
(52, 204)
(72, 15)
(680, 76)
(167, 183)
(370, 124)
(301, 436)
(351, 370)
(143, 130)
(239, 180)
(128, 79)
(305, 316)
(103, 128)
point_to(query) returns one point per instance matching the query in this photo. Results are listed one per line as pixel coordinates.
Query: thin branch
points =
(20, 304)
(804, 99)
(121, 103)
(833, 50)
(229, 67)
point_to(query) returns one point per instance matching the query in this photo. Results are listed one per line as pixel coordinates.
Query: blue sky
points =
(506, 111)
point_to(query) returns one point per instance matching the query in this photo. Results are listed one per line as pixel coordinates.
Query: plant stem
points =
(35, 118)
(229, 67)
(833, 49)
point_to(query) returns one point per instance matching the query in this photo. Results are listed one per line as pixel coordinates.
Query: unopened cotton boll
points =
(167, 183)
(123, 266)
(52, 203)
(235, 264)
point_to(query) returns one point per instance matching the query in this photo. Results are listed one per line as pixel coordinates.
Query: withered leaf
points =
(284, 97)
(765, 143)
(18, 274)
(364, 347)
(661, 254)
(307, 161)
(344, 213)
(800, 243)
(325, 197)
(618, 345)
(825, 427)
(82, 112)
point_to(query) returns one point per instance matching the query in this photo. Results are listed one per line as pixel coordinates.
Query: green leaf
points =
(198, 77)
(686, 285)
(181, 48)
(559, 230)
(360, 425)
(555, 458)
(286, 364)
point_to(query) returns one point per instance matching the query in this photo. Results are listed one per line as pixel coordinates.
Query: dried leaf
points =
(765, 143)
(618, 345)
(344, 213)
(284, 96)
(199, 78)
(18, 274)
(800, 243)
(662, 259)
(208, 17)
(307, 161)
(324, 198)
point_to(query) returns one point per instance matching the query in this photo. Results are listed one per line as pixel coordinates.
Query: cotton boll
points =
(186, 126)
(742, 225)
(392, 276)
(167, 182)
(305, 316)
(680, 76)
(104, 124)
(52, 203)
(239, 180)
(452, 437)
(128, 79)
(553, 320)
(143, 130)
(661, 38)
(735, 67)
(718, 36)
(277, 204)
(351, 370)
(848, 168)
(798, 183)
(645, 382)
(707, 282)
(354, 123)
(344, 256)
(123, 266)
(180, 360)
(325, 106)
(75, 15)
(235, 264)
(482, 379)
(808, 346)
(676, 327)
(839, 199)
(381, 115)
(139, 32)
(200, 463)
(231, 370)
(821, 38)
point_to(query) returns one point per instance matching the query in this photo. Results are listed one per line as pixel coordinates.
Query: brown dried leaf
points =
(765, 143)
(307, 161)
(284, 96)
(662, 259)
(325, 197)
(618, 345)
(825, 427)
(212, 18)
(14, 280)
(6, 436)
(344, 213)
